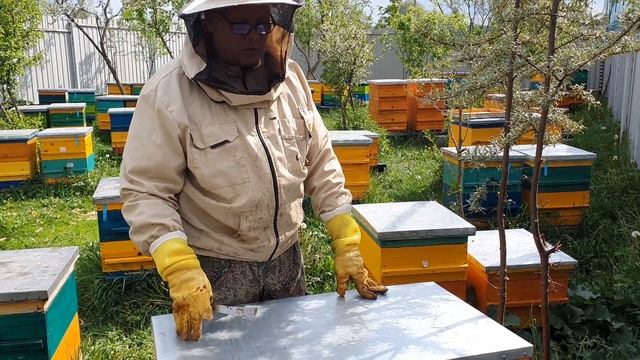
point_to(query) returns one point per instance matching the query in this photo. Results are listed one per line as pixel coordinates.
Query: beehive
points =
(87, 96)
(120, 122)
(361, 93)
(388, 104)
(113, 89)
(477, 127)
(329, 97)
(18, 160)
(374, 149)
(107, 102)
(39, 304)
(412, 242)
(66, 152)
(52, 96)
(353, 151)
(425, 115)
(119, 255)
(523, 270)
(475, 176)
(495, 101)
(316, 91)
(136, 88)
(67, 115)
(565, 182)
(35, 111)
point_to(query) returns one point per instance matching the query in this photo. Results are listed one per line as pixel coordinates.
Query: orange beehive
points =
(388, 104)
(424, 115)
(353, 153)
(523, 271)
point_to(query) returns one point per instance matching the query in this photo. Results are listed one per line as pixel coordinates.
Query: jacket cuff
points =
(162, 239)
(344, 209)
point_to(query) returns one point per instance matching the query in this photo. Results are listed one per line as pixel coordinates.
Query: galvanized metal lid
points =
(17, 135)
(68, 106)
(410, 220)
(126, 111)
(557, 152)
(478, 115)
(313, 81)
(414, 321)
(486, 153)
(117, 98)
(388, 82)
(369, 134)
(82, 91)
(108, 191)
(522, 253)
(346, 139)
(429, 81)
(26, 109)
(495, 96)
(65, 132)
(58, 90)
(34, 274)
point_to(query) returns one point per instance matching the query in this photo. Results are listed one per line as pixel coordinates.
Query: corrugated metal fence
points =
(70, 61)
(618, 79)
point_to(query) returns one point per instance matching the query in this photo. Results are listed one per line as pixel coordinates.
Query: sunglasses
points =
(244, 29)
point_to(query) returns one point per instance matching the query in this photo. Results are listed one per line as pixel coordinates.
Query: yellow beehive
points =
(67, 145)
(399, 247)
(118, 141)
(374, 149)
(353, 153)
(316, 88)
(388, 104)
(422, 115)
(18, 159)
(523, 270)
(113, 89)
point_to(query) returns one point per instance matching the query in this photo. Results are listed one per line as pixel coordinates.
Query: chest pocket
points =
(296, 133)
(217, 156)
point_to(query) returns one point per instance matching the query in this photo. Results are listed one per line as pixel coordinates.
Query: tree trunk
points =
(458, 145)
(502, 195)
(533, 199)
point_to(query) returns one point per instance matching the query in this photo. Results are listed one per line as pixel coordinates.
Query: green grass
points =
(115, 315)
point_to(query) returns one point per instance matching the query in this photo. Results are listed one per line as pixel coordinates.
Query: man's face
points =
(236, 49)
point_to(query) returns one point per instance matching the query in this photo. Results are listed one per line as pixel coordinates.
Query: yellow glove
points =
(188, 286)
(345, 235)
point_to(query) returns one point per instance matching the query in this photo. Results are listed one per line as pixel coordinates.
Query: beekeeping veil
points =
(259, 80)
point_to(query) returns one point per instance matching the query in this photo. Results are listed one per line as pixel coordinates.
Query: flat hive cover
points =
(33, 108)
(522, 254)
(17, 135)
(121, 111)
(348, 139)
(52, 90)
(68, 106)
(487, 152)
(388, 82)
(65, 132)
(369, 134)
(495, 96)
(430, 81)
(108, 191)
(557, 152)
(411, 220)
(35, 273)
(83, 91)
(117, 97)
(415, 321)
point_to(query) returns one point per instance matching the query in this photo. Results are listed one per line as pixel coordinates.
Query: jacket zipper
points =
(275, 183)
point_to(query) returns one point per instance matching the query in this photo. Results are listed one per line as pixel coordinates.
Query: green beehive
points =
(39, 304)
(67, 115)
(87, 96)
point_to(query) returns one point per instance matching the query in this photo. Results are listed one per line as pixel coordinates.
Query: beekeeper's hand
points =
(345, 235)
(189, 287)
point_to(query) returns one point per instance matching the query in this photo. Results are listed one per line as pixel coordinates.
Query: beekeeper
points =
(224, 144)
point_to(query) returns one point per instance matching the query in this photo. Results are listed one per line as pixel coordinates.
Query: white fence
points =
(618, 79)
(70, 61)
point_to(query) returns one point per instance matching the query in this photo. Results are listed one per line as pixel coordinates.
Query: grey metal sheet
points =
(522, 253)
(53, 90)
(17, 135)
(415, 321)
(117, 97)
(121, 110)
(410, 220)
(369, 134)
(495, 96)
(557, 152)
(388, 82)
(82, 91)
(65, 131)
(68, 106)
(478, 115)
(488, 152)
(33, 274)
(33, 108)
(429, 81)
(108, 191)
(346, 139)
